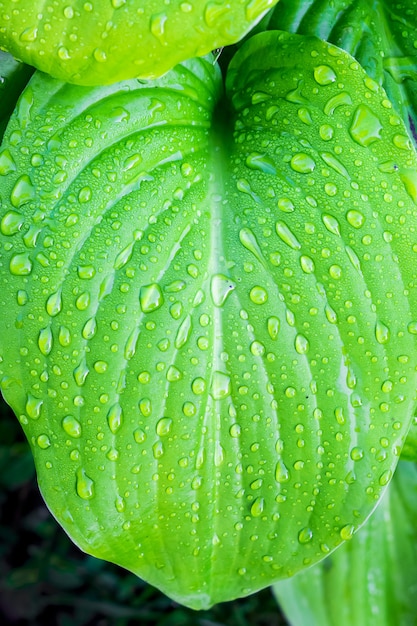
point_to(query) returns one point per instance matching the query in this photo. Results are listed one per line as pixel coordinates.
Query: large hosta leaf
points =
(380, 34)
(370, 580)
(104, 41)
(207, 329)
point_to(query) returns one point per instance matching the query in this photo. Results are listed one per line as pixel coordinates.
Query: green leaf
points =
(409, 450)
(371, 579)
(381, 35)
(13, 78)
(105, 41)
(207, 332)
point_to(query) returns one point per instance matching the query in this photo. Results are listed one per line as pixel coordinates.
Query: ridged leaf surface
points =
(207, 329)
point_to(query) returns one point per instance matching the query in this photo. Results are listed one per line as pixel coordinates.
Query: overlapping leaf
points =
(104, 41)
(208, 333)
(371, 579)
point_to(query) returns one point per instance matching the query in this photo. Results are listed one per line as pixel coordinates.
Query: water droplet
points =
(257, 348)
(324, 75)
(337, 101)
(157, 26)
(72, 426)
(331, 224)
(45, 340)
(355, 218)
(11, 223)
(235, 430)
(273, 327)
(80, 373)
(20, 264)
(163, 426)
(254, 8)
(402, 142)
(124, 256)
(43, 442)
(68, 12)
(382, 333)
(335, 164)
(305, 535)
(183, 332)
(356, 454)
(258, 295)
(150, 298)
(29, 34)
(198, 386)
(89, 328)
(302, 163)
(86, 272)
(220, 288)
(301, 344)
(305, 116)
(257, 507)
(33, 407)
(63, 53)
(287, 236)
(218, 454)
(285, 205)
(220, 385)
(347, 531)
(139, 435)
(22, 192)
(366, 126)
(282, 474)
(100, 55)
(22, 297)
(173, 374)
(307, 264)
(385, 478)
(101, 367)
(7, 163)
(115, 418)
(84, 485)
(131, 344)
(54, 303)
(213, 12)
(261, 162)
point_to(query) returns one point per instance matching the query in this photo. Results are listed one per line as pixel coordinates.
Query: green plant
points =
(209, 294)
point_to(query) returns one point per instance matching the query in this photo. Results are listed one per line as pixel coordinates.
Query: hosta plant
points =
(209, 313)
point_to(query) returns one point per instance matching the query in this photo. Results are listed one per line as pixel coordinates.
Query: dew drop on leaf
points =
(20, 264)
(84, 485)
(150, 298)
(72, 426)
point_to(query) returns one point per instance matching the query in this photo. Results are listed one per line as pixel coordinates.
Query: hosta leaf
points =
(371, 579)
(381, 35)
(13, 78)
(104, 41)
(207, 331)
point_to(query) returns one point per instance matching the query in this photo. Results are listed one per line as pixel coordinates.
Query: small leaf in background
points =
(208, 334)
(382, 36)
(105, 41)
(371, 579)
